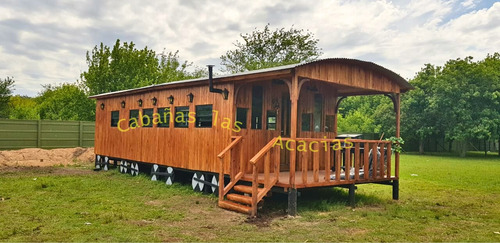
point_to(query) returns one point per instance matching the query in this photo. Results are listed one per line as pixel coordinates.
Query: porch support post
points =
(395, 189)
(292, 201)
(398, 113)
(335, 119)
(292, 192)
(352, 189)
(395, 183)
(335, 115)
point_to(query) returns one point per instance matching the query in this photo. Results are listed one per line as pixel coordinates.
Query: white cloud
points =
(45, 42)
(469, 3)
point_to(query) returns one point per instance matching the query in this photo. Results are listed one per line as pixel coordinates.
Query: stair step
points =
(235, 207)
(246, 189)
(239, 198)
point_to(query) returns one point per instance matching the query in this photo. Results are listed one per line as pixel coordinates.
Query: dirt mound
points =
(46, 157)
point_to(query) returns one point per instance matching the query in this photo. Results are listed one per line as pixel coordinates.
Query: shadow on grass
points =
(311, 201)
(314, 200)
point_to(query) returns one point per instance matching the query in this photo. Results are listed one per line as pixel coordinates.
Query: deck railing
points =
(320, 162)
(270, 154)
(323, 162)
(236, 170)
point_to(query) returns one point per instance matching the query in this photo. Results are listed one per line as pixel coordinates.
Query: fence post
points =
(39, 134)
(80, 137)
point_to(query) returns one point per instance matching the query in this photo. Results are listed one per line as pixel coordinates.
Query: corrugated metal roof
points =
(370, 65)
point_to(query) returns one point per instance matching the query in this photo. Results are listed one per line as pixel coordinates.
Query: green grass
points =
(442, 198)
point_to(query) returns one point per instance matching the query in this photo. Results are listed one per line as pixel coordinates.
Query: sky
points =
(45, 42)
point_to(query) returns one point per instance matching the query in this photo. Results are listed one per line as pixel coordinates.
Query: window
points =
(133, 121)
(306, 122)
(241, 117)
(271, 120)
(318, 112)
(257, 93)
(115, 117)
(204, 116)
(147, 118)
(329, 123)
(164, 117)
(181, 117)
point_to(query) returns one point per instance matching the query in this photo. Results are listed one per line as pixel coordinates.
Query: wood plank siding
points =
(190, 148)
(348, 77)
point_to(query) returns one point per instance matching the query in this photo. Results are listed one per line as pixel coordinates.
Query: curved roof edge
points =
(403, 83)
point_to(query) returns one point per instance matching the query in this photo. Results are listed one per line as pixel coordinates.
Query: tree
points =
(459, 101)
(171, 69)
(6, 87)
(470, 92)
(125, 67)
(65, 102)
(421, 116)
(122, 67)
(356, 121)
(23, 107)
(266, 48)
(490, 68)
(367, 114)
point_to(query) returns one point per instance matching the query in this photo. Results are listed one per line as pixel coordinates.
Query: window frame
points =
(309, 118)
(161, 111)
(186, 117)
(257, 108)
(197, 116)
(118, 118)
(317, 120)
(130, 117)
(244, 123)
(150, 117)
(268, 112)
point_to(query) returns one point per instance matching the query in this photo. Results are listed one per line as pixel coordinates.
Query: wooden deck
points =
(284, 180)
(365, 161)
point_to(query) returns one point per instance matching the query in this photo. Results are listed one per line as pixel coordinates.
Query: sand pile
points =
(46, 157)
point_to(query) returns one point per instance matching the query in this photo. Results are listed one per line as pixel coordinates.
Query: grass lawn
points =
(442, 198)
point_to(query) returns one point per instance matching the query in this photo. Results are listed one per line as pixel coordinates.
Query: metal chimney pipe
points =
(211, 81)
(225, 92)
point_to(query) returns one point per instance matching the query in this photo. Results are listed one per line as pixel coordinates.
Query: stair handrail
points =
(256, 197)
(236, 140)
(223, 190)
(263, 151)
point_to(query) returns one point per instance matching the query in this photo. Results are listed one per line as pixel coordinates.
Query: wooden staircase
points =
(244, 199)
(238, 200)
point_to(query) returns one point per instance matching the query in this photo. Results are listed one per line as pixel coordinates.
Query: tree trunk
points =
(498, 146)
(462, 148)
(485, 149)
(421, 146)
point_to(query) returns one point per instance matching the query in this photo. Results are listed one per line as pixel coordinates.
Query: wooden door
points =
(285, 130)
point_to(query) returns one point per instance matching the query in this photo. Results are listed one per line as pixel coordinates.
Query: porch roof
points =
(285, 70)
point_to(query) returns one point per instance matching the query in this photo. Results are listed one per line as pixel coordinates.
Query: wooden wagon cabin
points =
(244, 134)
